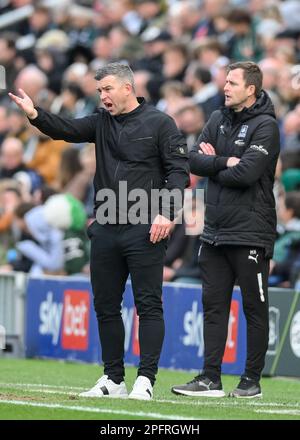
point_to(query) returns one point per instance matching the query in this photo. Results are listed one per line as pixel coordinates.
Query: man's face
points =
(236, 93)
(6, 54)
(11, 154)
(114, 94)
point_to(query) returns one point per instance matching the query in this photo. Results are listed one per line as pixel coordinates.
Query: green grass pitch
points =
(48, 390)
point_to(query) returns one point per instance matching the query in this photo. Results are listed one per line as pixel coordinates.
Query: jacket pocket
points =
(144, 138)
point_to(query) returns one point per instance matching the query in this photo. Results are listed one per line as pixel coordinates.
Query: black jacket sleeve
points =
(174, 156)
(202, 164)
(69, 130)
(263, 149)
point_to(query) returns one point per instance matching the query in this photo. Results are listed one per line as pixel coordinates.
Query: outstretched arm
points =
(56, 127)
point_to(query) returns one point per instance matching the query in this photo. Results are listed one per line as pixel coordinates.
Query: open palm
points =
(25, 103)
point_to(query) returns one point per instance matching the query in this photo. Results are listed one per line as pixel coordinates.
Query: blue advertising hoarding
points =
(61, 324)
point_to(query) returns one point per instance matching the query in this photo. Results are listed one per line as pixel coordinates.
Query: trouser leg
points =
(145, 263)
(109, 273)
(217, 284)
(252, 271)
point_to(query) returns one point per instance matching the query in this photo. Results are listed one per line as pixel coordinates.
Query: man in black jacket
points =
(138, 148)
(239, 148)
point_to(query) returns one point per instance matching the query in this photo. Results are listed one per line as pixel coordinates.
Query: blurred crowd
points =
(179, 51)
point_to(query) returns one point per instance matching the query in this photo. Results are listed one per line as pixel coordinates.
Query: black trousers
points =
(116, 252)
(221, 267)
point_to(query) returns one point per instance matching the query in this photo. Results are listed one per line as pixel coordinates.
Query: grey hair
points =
(119, 70)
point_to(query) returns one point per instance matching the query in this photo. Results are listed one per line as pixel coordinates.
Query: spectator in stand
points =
(11, 158)
(40, 249)
(287, 245)
(18, 125)
(175, 61)
(173, 97)
(69, 167)
(204, 91)
(209, 52)
(156, 41)
(151, 12)
(4, 127)
(81, 184)
(8, 53)
(190, 121)
(32, 80)
(43, 154)
(291, 126)
(10, 198)
(40, 20)
(244, 45)
(71, 101)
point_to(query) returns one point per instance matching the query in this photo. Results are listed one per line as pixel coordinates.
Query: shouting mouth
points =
(108, 105)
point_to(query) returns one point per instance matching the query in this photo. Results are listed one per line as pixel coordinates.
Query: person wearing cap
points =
(138, 148)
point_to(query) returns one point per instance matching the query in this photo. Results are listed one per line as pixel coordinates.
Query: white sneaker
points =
(142, 389)
(105, 387)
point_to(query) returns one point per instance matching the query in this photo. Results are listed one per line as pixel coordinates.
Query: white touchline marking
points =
(45, 391)
(227, 402)
(97, 410)
(292, 412)
(41, 385)
(181, 401)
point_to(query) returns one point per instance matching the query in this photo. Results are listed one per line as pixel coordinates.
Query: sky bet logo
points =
(193, 327)
(75, 326)
(70, 319)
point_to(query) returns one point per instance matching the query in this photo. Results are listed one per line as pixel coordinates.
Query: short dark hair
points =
(119, 70)
(252, 74)
(202, 74)
(10, 38)
(237, 16)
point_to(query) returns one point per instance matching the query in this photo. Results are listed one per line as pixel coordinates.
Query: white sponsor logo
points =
(295, 334)
(253, 255)
(193, 326)
(239, 142)
(274, 316)
(50, 314)
(243, 131)
(75, 317)
(259, 148)
(222, 129)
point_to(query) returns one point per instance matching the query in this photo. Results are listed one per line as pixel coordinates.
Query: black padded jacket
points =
(240, 205)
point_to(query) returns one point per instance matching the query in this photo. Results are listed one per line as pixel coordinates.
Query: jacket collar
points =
(262, 105)
(137, 110)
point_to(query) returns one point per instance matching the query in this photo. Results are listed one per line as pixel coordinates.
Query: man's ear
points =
(128, 88)
(251, 90)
